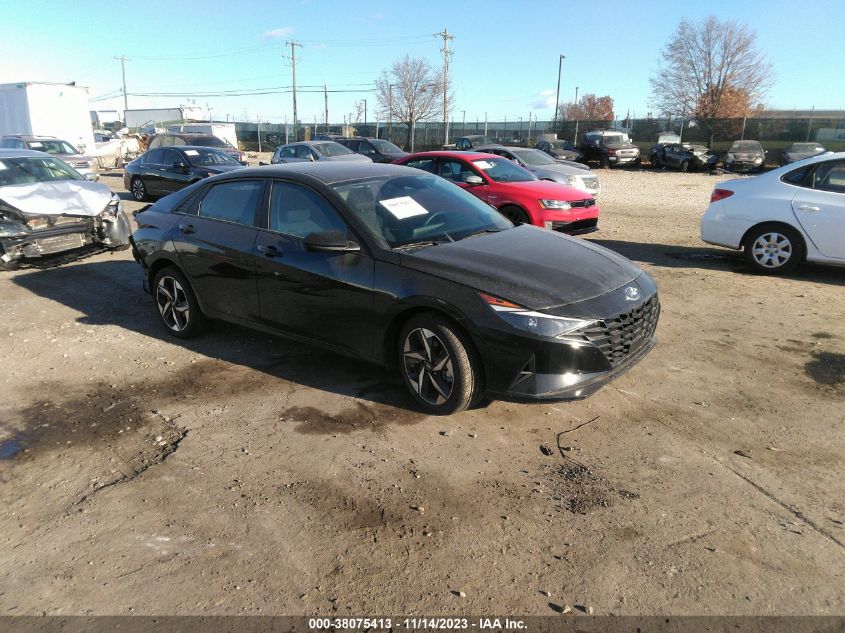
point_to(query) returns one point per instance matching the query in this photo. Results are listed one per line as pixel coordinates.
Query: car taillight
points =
(720, 194)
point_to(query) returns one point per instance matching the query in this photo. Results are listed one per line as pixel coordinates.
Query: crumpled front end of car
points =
(26, 235)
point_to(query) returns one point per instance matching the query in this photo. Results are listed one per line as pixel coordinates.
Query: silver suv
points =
(85, 165)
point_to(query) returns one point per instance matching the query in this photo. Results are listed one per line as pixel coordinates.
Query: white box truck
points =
(47, 109)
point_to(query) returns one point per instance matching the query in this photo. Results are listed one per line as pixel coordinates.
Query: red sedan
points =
(514, 191)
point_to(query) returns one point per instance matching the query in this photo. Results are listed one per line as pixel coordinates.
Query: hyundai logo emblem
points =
(631, 293)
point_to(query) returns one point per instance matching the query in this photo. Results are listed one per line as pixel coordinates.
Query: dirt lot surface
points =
(237, 473)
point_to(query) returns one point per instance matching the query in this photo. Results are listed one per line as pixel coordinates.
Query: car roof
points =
(510, 148)
(204, 148)
(327, 172)
(450, 154)
(29, 137)
(23, 153)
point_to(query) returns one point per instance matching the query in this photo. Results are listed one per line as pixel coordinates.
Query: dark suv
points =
(378, 150)
(609, 148)
(178, 139)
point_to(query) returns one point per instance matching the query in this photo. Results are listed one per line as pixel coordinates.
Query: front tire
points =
(138, 189)
(176, 303)
(515, 215)
(685, 166)
(437, 365)
(774, 250)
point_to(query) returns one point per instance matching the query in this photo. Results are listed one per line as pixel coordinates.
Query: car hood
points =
(352, 157)
(796, 156)
(533, 267)
(544, 189)
(221, 169)
(70, 197)
(559, 168)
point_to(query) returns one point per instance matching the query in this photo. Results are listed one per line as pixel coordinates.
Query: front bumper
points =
(742, 167)
(525, 367)
(110, 231)
(623, 160)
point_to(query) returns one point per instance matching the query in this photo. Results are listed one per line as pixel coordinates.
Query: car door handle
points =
(808, 207)
(187, 229)
(269, 250)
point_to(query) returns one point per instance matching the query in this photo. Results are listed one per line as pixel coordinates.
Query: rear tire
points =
(138, 189)
(774, 249)
(515, 215)
(437, 365)
(176, 303)
(685, 166)
(605, 162)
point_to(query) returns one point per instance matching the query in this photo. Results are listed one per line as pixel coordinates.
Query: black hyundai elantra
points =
(395, 266)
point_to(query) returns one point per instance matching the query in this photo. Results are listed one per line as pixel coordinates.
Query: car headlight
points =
(113, 207)
(538, 323)
(758, 160)
(36, 223)
(555, 204)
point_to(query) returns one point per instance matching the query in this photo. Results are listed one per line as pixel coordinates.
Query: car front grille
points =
(583, 204)
(577, 227)
(620, 336)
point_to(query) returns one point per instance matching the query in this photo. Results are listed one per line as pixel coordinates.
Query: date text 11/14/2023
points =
(417, 623)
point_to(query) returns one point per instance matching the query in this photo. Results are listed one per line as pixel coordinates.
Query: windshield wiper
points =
(481, 232)
(422, 244)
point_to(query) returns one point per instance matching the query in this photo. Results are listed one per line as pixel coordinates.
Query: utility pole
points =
(258, 119)
(446, 53)
(463, 121)
(365, 113)
(485, 124)
(557, 98)
(123, 61)
(575, 139)
(390, 112)
(326, 105)
(293, 44)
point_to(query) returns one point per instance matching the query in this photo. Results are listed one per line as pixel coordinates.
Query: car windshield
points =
(559, 144)
(534, 157)
(209, 157)
(330, 148)
(24, 171)
(385, 147)
(52, 147)
(746, 146)
(805, 147)
(478, 141)
(503, 170)
(615, 139)
(418, 209)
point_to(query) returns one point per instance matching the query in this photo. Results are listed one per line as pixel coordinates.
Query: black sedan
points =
(398, 267)
(164, 170)
(684, 157)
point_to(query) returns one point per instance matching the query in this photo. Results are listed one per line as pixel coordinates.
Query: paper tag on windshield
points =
(482, 164)
(404, 207)
(192, 152)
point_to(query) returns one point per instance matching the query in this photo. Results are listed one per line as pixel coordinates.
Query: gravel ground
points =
(242, 474)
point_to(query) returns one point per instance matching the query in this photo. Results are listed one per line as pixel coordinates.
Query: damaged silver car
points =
(46, 207)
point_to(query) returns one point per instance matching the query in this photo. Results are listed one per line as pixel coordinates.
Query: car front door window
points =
(298, 211)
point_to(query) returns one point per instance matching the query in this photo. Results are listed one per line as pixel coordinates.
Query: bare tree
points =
(359, 110)
(410, 91)
(704, 67)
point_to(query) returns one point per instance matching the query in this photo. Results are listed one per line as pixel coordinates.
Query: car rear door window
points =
(298, 211)
(426, 164)
(170, 157)
(831, 177)
(233, 201)
(154, 157)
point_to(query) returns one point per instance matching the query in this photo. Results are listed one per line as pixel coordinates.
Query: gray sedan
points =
(312, 151)
(547, 168)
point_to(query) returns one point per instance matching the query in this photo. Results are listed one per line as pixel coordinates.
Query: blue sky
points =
(505, 53)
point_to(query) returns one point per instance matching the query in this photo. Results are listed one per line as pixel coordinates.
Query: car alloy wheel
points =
(139, 191)
(774, 249)
(437, 364)
(428, 366)
(516, 215)
(173, 304)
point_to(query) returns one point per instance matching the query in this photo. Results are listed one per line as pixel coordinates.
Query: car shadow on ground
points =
(672, 256)
(110, 293)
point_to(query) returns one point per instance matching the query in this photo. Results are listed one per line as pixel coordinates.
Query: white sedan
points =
(783, 217)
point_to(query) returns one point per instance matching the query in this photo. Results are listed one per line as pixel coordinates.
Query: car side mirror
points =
(90, 176)
(473, 180)
(332, 241)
